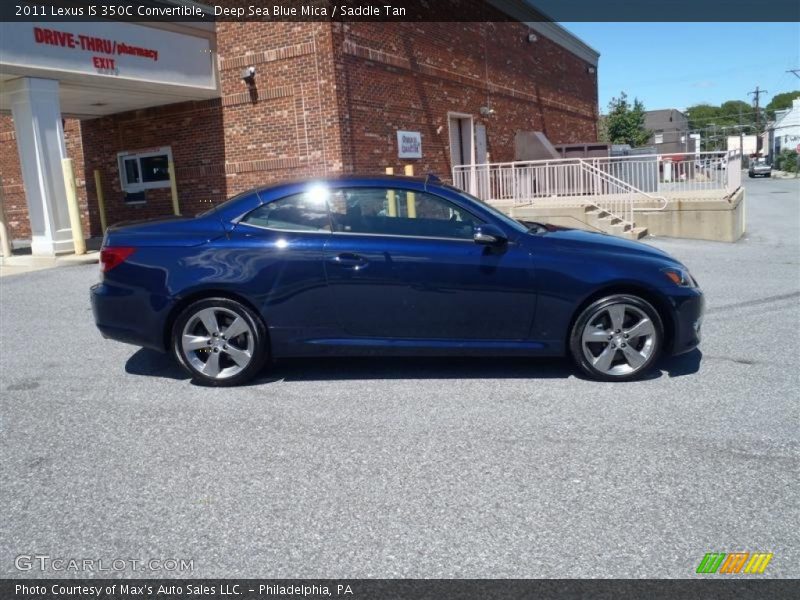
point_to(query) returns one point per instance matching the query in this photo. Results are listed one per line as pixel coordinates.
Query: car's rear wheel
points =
(617, 338)
(219, 342)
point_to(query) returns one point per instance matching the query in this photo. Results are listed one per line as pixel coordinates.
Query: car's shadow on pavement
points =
(683, 364)
(155, 364)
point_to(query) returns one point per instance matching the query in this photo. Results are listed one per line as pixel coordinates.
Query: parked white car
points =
(759, 168)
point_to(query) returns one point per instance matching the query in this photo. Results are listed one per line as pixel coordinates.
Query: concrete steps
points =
(580, 216)
(602, 220)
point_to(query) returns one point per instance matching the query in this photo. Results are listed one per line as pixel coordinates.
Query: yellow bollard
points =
(174, 189)
(101, 203)
(5, 237)
(391, 197)
(411, 197)
(72, 206)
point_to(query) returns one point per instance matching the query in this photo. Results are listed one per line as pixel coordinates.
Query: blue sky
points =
(675, 65)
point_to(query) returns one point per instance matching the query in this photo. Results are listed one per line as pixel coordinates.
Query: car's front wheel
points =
(617, 338)
(219, 342)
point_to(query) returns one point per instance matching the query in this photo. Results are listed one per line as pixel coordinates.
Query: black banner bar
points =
(404, 10)
(738, 587)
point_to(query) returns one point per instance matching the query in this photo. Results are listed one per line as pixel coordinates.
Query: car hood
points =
(578, 240)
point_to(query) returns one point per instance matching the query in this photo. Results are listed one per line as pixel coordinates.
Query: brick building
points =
(325, 98)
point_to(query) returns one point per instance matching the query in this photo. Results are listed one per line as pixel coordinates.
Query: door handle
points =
(350, 260)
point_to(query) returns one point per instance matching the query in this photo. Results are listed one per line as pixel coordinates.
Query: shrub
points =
(786, 160)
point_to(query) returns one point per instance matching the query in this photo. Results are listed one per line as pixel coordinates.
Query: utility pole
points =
(741, 138)
(795, 72)
(756, 93)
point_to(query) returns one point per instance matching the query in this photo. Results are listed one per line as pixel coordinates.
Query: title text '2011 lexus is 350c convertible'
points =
(378, 266)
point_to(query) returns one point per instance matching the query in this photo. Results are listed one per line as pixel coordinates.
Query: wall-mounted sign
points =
(409, 144)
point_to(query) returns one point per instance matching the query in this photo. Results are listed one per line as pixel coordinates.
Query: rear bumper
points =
(688, 307)
(126, 315)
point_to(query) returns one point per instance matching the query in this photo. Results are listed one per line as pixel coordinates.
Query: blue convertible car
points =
(387, 265)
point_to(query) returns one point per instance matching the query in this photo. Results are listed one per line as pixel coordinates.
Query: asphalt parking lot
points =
(414, 468)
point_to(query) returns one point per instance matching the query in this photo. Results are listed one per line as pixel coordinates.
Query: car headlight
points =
(680, 277)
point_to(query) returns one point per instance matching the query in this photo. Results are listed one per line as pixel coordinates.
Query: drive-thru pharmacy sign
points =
(109, 49)
(102, 49)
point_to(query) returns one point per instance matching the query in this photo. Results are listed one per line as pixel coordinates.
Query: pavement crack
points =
(739, 361)
(768, 300)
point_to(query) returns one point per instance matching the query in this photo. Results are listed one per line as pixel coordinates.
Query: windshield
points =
(514, 224)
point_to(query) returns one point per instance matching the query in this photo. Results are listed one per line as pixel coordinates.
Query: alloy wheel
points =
(619, 339)
(218, 342)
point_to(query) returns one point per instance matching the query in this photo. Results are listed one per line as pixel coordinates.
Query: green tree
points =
(602, 129)
(735, 112)
(625, 122)
(781, 102)
(715, 123)
(701, 115)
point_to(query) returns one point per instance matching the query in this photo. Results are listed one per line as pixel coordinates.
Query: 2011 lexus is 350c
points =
(387, 265)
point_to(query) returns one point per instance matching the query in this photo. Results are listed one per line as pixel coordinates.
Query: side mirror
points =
(489, 235)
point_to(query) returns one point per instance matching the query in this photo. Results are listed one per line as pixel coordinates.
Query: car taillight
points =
(112, 256)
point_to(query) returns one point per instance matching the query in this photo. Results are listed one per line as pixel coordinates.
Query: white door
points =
(461, 134)
(480, 144)
(462, 151)
(481, 175)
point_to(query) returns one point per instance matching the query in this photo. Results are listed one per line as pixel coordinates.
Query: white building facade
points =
(785, 133)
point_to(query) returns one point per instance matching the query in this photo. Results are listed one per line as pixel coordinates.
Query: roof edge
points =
(526, 12)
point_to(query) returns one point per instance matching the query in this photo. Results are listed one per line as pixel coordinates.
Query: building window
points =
(659, 138)
(139, 171)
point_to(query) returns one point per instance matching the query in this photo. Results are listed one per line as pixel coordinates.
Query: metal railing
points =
(643, 177)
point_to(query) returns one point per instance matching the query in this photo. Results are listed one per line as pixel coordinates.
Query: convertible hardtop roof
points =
(430, 179)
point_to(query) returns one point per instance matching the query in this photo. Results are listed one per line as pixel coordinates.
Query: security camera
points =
(249, 74)
(532, 37)
(487, 111)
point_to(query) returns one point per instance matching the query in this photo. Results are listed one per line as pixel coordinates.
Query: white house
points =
(785, 132)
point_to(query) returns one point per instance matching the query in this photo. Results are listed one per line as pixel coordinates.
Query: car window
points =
(300, 212)
(513, 223)
(385, 211)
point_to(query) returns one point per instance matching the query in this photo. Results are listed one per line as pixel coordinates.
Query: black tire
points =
(595, 311)
(225, 311)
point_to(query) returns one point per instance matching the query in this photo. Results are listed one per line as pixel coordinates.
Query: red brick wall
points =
(13, 191)
(197, 150)
(410, 75)
(329, 98)
(283, 127)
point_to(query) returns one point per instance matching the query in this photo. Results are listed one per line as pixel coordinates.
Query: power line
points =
(795, 72)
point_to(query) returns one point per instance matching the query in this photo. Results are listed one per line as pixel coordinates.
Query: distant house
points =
(784, 132)
(669, 129)
(748, 144)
